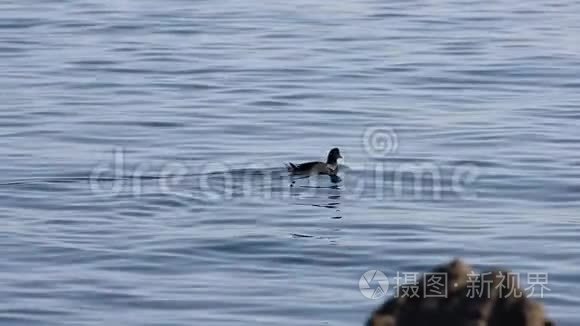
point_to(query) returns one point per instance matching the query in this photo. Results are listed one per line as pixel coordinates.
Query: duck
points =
(315, 167)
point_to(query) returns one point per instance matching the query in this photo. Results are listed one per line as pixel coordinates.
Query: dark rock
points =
(461, 297)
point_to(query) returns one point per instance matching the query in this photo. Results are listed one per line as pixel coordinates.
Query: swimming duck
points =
(330, 167)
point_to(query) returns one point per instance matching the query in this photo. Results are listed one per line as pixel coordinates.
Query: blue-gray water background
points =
(223, 93)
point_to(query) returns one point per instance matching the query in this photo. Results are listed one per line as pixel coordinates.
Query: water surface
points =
(183, 113)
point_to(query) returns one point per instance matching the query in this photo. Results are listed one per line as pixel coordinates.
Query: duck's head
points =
(333, 156)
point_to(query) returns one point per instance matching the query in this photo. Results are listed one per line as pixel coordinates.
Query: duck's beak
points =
(340, 156)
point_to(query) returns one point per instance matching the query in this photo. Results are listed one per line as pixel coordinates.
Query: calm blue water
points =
(142, 148)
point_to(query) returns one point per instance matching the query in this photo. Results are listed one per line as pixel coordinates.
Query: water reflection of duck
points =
(330, 167)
